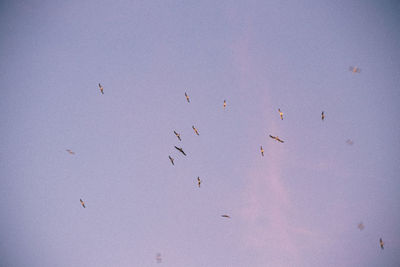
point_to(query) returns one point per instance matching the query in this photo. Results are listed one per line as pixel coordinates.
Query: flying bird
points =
(70, 151)
(187, 98)
(158, 258)
(101, 88)
(262, 151)
(280, 113)
(198, 181)
(361, 226)
(354, 69)
(195, 130)
(226, 216)
(171, 159)
(224, 104)
(82, 203)
(381, 243)
(349, 142)
(181, 150)
(178, 135)
(276, 138)
(322, 115)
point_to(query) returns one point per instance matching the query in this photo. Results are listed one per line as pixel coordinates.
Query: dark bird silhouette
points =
(276, 138)
(171, 159)
(82, 203)
(70, 151)
(101, 89)
(361, 226)
(354, 69)
(195, 130)
(198, 181)
(381, 243)
(187, 98)
(181, 150)
(226, 216)
(280, 113)
(322, 115)
(178, 135)
(224, 104)
(262, 151)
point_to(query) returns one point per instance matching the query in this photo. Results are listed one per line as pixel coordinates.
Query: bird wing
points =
(273, 137)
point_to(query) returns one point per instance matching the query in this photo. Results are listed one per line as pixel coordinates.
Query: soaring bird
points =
(158, 258)
(381, 243)
(226, 216)
(101, 88)
(276, 138)
(82, 203)
(224, 104)
(322, 115)
(195, 130)
(354, 69)
(178, 135)
(361, 226)
(187, 98)
(280, 113)
(198, 181)
(70, 151)
(262, 151)
(181, 150)
(171, 159)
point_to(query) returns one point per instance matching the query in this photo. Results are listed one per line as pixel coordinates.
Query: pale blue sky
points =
(299, 205)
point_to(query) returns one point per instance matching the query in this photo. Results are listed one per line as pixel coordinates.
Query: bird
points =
(83, 203)
(280, 113)
(187, 98)
(322, 115)
(70, 151)
(158, 258)
(226, 216)
(198, 181)
(171, 159)
(101, 88)
(361, 226)
(178, 135)
(349, 142)
(262, 151)
(224, 104)
(276, 138)
(181, 150)
(381, 243)
(354, 69)
(195, 130)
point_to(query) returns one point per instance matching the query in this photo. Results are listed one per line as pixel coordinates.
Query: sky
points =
(298, 205)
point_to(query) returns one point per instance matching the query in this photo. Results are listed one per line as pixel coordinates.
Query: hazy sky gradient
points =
(299, 205)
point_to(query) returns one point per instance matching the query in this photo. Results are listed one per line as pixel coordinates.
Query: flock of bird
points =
(196, 131)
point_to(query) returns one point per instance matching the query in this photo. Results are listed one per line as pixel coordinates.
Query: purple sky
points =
(299, 205)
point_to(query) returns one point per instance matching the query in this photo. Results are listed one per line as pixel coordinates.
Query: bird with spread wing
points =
(178, 135)
(180, 150)
(195, 130)
(187, 97)
(101, 89)
(171, 159)
(82, 203)
(276, 138)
